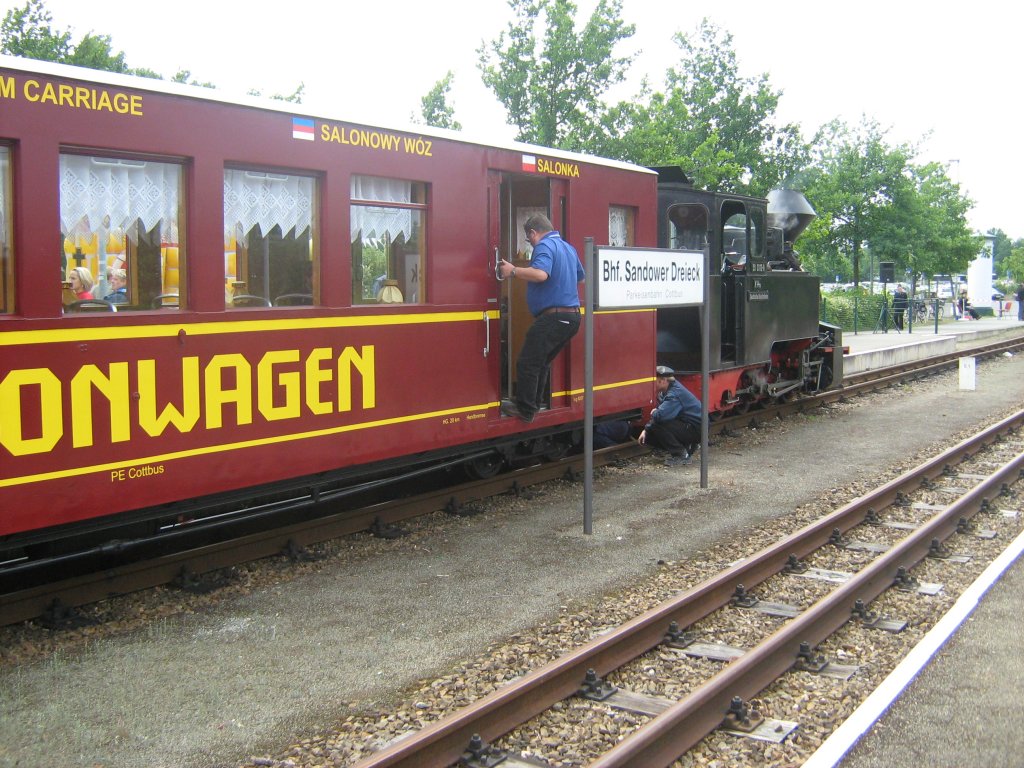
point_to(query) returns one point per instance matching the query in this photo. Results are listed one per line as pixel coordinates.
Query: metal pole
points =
(705, 376)
(590, 260)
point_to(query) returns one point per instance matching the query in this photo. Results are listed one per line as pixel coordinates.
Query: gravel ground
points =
(289, 660)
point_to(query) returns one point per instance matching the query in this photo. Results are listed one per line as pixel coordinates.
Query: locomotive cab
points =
(765, 339)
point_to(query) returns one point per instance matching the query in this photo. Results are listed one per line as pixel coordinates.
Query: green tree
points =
(94, 52)
(856, 177)
(295, 97)
(434, 107)
(717, 125)
(1014, 263)
(26, 32)
(1003, 247)
(924, 229)
(550, 76)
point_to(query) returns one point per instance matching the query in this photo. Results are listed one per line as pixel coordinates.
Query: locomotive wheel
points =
(485, 467)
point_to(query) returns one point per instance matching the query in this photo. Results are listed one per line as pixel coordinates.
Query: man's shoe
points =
(509, 408)
(678, 460)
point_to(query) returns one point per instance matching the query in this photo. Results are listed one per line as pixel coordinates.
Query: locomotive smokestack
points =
(789, 211)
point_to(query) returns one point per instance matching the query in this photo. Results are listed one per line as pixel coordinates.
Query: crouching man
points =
(675, 422)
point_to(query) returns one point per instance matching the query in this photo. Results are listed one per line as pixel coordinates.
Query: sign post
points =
(640, 278)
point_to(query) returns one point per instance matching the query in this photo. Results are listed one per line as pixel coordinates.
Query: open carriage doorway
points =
(514, 198)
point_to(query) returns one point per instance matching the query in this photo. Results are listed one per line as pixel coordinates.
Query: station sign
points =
(631, 278)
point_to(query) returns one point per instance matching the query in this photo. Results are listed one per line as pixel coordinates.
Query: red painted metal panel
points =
(74, 439)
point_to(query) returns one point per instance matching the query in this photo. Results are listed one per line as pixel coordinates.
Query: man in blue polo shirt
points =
(554, 301)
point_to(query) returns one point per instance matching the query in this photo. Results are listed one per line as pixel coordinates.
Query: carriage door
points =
(513, 199)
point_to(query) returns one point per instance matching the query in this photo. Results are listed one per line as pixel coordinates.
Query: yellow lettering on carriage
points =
(114, 387)
(284, 381)
(558, 168)
(290, 382)
(418, 146)
(51, 410)
(183, 420)
(81, 97)
(7, 87)
(219, 394)
(369, 139)
(364, 364)
(316, 377)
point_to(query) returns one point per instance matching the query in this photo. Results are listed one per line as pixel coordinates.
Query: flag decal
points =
(302, 128)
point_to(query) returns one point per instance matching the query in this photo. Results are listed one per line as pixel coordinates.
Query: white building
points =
(979, 276)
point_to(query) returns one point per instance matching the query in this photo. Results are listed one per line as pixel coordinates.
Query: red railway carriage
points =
(274, 295)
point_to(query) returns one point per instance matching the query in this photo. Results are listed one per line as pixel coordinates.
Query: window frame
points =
(418, 188)
(231, 240)
(131, 250)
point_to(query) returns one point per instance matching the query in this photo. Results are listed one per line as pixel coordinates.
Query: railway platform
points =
(870, 350)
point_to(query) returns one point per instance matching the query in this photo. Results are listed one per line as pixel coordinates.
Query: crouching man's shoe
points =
(678, 460)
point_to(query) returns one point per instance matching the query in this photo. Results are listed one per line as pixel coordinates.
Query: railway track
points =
(57, 599)
(894, 540)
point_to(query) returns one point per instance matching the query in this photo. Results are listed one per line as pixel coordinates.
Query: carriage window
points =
(269, 239)
(121, 224)
(621, 226)
(6, 256)
(388, 247)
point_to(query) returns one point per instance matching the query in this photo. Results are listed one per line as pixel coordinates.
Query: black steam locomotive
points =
(767, 341)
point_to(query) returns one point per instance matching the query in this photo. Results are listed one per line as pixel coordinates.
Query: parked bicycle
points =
(926, 310)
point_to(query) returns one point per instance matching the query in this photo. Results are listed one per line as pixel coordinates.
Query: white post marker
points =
(967, 373)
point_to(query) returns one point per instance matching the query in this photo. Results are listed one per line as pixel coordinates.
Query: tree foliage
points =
(721, 123)
(876, 200)
(26, 32)
(434, 107)
(550, 76)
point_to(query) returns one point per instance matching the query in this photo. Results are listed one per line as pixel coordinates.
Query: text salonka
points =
(227, 391)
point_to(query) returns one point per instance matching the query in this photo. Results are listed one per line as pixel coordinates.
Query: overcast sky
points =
(940, 74)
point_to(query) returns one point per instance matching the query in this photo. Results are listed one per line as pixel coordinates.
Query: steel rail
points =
(684, 724)
(444, 742)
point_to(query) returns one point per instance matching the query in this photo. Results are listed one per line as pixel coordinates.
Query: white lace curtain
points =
(92, 188)
(375, 223)
(254, 198)
(618, 226)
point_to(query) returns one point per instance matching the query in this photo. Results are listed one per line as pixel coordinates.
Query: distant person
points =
(81, 283)
(553, 298)
(118, 287)
(899, 305)
(1020, 301)
(675, 423)
(964, 305)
